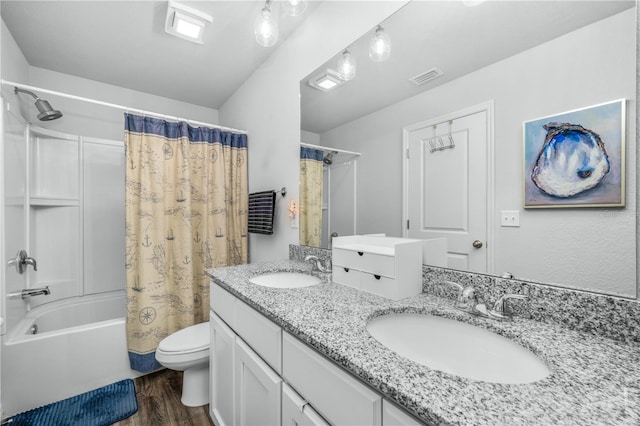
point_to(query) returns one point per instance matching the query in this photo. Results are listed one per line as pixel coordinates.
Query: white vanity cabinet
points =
(393, 416)
(261, 375)
(386, 266)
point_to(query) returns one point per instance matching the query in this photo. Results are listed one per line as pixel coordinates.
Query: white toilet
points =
(188, 350)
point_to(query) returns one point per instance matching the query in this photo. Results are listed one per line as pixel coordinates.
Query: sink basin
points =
(285, 280)
(457, 348)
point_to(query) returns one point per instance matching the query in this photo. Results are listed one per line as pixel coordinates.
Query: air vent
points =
(426, 76)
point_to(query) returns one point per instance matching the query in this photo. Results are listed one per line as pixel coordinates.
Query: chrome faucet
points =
(471, 301)
(317, 262)
(21, 261)
(28, 292)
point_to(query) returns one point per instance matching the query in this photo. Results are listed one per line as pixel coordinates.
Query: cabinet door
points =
(296, 411)
(340, 398)
(393, 416)
(257, 389)
(222, 360)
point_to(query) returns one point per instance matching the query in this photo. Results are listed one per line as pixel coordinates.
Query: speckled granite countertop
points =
(594, 380)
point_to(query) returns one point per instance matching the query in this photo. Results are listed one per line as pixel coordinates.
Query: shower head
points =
(328, 159)
(47, 113)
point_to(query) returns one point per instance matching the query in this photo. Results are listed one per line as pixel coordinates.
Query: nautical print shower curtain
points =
(310, 196)
(186, 211)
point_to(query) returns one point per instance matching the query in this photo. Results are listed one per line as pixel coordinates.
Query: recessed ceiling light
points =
(186, 22)
(326, 81)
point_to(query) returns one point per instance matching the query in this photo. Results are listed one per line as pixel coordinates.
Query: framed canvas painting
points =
(576, 158)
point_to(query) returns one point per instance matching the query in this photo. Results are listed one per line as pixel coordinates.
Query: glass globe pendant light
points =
(295, 7)
(346, 66)
(380, 46)
(266, 27)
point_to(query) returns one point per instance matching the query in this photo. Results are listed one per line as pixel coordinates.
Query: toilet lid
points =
(188, 339)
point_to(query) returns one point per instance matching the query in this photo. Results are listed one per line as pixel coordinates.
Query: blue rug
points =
(99, 407)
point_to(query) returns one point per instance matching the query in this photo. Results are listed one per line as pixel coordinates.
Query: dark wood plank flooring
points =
(159, 403)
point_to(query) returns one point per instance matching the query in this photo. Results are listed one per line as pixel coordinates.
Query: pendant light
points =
(380, 46)
(295, 7)
(346, 65)
(266, 27)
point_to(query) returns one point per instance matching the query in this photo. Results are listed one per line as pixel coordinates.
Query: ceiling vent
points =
(426, 76)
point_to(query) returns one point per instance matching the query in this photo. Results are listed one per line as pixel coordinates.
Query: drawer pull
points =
(360, 253)
(377, 277)
(346, 269)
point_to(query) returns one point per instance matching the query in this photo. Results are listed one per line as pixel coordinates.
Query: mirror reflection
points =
(510, 62)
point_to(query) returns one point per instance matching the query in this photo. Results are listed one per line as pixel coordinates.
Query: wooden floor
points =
(159, 403)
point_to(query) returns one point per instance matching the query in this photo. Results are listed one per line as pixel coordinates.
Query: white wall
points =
(587, 67)
(103, 122)
(268, 106)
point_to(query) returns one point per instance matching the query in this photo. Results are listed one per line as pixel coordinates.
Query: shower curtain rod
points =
(328, 148)
(122, 107)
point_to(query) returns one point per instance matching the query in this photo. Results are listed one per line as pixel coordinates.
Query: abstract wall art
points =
(576, 158)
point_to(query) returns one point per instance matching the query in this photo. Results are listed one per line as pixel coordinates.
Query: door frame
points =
(486, 107)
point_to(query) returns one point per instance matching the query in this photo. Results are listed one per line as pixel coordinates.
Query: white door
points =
(257, 389)
(222, 360)
(446, 185)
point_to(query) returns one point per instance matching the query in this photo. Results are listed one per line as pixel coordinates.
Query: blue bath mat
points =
(99, 407)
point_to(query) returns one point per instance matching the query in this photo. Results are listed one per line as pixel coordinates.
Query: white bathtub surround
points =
(81, 345)
(594, 379)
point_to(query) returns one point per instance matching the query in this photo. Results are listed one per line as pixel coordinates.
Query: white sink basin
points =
(285, 280)
(457, 348)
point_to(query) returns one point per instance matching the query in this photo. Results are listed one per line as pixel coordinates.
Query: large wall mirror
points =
(522, 60)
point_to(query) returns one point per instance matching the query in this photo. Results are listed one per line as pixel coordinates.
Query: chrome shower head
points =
(47, 113)
(328, 159)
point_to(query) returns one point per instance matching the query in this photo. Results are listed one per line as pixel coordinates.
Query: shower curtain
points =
(310, 196)
(186, 211)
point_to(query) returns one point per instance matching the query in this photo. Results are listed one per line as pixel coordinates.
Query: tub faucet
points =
(317, 262)
(28, 292)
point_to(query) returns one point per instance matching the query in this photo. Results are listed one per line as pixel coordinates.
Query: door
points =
(222, 350)
(257, 389)
(446, 185)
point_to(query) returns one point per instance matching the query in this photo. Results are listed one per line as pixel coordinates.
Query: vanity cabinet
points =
(261, 375)
(386, 266)
(393, 416)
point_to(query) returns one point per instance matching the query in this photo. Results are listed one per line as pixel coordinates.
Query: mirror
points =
(527, 60)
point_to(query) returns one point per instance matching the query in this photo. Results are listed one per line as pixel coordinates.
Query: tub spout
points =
(28, 292)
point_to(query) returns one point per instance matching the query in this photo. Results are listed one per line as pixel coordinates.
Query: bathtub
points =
(80, 344)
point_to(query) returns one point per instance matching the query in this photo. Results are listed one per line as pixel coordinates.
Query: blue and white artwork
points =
(576, 159)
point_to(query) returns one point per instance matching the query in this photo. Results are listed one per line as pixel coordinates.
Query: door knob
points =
(477, 244)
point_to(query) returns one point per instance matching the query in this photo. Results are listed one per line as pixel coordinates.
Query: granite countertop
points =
(594, 380)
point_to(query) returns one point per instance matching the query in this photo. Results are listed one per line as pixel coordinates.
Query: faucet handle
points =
(500, 307)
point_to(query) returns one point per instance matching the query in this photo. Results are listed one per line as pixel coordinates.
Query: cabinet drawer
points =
(222, 303)
(377, 284)
(393, 416)
(260, 333)
(347, 276)
(364, 261)
(337, 396)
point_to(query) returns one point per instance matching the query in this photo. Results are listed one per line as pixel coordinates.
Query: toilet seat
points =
(188, 340)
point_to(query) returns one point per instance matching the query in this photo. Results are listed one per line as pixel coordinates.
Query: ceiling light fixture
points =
(186, 22)
(295, 7)
(326, 81)
(346, 65)
(266, 27)
(380, 46)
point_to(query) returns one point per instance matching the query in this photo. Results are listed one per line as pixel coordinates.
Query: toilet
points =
(188, 350)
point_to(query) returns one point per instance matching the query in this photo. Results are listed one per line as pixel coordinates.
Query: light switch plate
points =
(510, 218)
